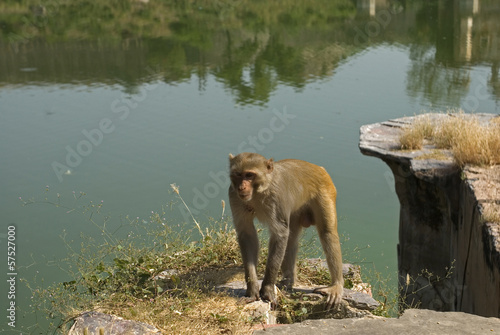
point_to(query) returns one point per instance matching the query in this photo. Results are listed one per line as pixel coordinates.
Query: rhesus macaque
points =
(286, 195)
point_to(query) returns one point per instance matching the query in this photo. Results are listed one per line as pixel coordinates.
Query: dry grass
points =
(196, 311)
(470, 141)
(183, 303)
(412, 137)
(491, 213)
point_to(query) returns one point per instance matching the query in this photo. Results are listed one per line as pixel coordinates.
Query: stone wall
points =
(448, 257)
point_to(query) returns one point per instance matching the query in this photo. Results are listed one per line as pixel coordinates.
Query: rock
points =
(302, 303)
(413, 321)
(360, 300)
(235, 288)
(448, 256)
(260, 311)
(95, 323)
(300, 306)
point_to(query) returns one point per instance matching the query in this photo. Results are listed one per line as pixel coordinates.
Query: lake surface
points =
(121, 99)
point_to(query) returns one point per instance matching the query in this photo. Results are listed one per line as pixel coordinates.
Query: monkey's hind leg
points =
(326, 224)
(288, 267)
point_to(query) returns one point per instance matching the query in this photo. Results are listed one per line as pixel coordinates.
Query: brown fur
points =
(286, 195)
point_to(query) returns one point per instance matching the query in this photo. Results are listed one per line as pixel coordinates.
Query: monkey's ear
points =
(270, 165)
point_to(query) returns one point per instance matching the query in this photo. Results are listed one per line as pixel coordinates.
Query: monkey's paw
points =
(252, 291)
(268, 293)
(333, 295)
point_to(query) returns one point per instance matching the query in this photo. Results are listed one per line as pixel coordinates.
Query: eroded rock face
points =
(448, 257)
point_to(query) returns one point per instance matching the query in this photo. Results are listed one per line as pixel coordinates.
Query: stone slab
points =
(412, 322)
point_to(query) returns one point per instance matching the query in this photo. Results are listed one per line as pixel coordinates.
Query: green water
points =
(120, 99)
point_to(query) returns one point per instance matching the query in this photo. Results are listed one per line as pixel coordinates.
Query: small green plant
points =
(412, 289)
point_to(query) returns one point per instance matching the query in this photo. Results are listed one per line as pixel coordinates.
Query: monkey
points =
(287, 196)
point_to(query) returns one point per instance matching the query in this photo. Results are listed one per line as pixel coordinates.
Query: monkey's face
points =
(243, 183)
(250, 174)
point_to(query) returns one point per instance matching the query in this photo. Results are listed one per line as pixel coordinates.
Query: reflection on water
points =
(250, 48)
(121, 98)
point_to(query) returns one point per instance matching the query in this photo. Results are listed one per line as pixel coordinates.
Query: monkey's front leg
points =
(249, 247)
(277, 247)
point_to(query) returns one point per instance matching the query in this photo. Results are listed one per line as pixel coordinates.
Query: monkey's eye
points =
(249, 175)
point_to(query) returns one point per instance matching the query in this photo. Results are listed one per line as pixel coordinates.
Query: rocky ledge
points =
(413, 321)
(448, 253)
